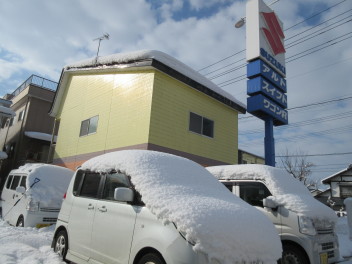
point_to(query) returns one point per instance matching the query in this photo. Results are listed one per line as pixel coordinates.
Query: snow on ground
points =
(26, 245)
(32, 246)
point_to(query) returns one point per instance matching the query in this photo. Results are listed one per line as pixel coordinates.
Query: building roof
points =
(148, 58)
(329, 179)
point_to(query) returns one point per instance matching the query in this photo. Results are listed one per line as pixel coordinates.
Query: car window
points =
(15, 182)
(9, 180)
(90, 185)
(113, 181)
(253, 192)
(23, 182)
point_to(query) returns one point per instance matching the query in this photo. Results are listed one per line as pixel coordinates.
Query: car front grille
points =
(49, 220)
(50, 209)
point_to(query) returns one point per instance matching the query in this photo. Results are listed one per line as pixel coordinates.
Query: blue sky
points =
(41, 37)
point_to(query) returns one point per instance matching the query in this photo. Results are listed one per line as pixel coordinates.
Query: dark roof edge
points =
(163, 68)
(199, 87)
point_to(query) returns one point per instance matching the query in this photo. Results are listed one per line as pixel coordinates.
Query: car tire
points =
(293, 255)
(20, 222)
(151, 258)
(61, 244)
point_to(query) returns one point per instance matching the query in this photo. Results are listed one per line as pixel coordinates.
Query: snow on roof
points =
(52, 184)
(124, 58)
(327, 179)
(181, 191)
(286, 190)
(39, 135)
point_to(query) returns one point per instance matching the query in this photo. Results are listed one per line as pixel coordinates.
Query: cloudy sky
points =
(40, 37)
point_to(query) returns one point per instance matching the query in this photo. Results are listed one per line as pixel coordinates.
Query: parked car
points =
(33, 193)
(140, 207)
(305, 225)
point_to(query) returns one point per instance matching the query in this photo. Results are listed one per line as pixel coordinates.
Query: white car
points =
(305, 225)
(32, 194)
(147, 207)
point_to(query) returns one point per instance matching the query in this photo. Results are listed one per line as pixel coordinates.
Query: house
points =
(340, 186)
(26, 134)
(245, 157)
(143, 100)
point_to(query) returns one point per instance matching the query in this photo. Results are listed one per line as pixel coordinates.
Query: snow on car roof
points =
(286, 190)
(128, 57)
(52, 184)
(181, 191)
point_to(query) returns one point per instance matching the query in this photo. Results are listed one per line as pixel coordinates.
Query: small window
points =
(345, 191)
(15, 182)
(112, 182)
(90, 185)
(201, 125)
(23, 182)
(253, 192)
(8, 183)
(11, 121)
(20, 116)
(89, 126)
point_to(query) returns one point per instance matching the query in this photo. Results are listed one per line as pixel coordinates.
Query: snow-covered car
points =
(139, 206)
(305, 225)
(33, 193)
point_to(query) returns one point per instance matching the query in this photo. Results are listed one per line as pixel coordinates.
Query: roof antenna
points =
(105, 36)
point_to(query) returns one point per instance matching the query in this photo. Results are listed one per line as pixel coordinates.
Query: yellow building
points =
(143, 100)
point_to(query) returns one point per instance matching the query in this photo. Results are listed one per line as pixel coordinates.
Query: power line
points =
(315, 15)
(315, 155)
(217, 62)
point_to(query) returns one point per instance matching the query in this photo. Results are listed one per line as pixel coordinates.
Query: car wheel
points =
(151, 258)
(20, 222)
(293, 255)
(61, 244)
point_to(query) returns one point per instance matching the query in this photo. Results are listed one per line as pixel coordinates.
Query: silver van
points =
(32, 194)
(147, 207)
(305, 225)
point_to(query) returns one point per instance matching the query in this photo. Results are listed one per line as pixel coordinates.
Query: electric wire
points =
(314, 15)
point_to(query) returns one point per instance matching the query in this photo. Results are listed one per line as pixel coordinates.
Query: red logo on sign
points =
(274, 33)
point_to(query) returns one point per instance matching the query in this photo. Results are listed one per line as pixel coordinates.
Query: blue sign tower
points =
(266, 72)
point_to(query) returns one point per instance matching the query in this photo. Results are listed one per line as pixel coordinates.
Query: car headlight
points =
(306, 226)
(32, 206)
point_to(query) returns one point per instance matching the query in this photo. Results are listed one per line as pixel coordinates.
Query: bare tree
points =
(297, 165)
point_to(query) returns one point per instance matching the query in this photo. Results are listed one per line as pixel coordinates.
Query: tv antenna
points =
(105, 36)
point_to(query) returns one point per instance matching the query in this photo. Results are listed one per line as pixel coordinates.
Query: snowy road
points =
(32, 246)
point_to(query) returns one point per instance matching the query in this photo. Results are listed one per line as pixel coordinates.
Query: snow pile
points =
(286, 190)
(26, 245)
(178, 190)
(52, 184)
(142, 55)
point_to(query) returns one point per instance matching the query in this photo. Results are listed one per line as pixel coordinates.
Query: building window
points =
(11, 121)
(201, 125)
(89, 126)
(20, 116)
(345, 191)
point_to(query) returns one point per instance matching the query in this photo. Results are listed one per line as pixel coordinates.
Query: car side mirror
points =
(123, 194)
(269, 202)
(20, 189)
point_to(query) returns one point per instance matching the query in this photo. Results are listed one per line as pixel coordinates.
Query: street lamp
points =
(242, 21)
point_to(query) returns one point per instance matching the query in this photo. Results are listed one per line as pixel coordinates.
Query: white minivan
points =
(305, 225)
(148, 207)
(33, 193)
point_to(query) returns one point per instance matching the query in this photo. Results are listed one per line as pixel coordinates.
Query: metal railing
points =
(34, 80)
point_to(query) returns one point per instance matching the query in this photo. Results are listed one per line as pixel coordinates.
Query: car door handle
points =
(102, 209)
(90, 207)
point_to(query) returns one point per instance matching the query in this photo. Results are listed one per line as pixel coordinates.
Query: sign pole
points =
(269, 142)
